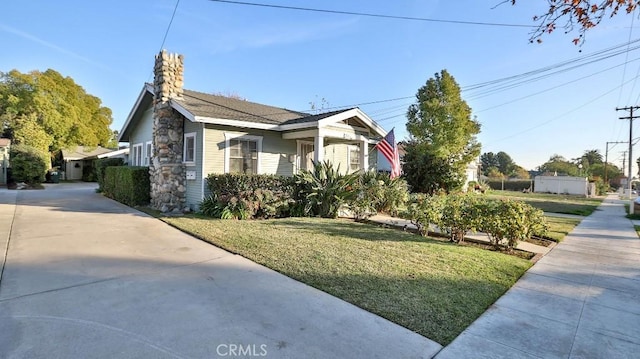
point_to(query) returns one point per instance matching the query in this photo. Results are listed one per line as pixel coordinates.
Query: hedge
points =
(28, 164)
(248, 196)
(127, 184)
(511, 185)
(101, 164)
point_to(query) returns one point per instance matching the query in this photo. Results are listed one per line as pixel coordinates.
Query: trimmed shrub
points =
(424, 211)
(512, 221)
(128, 185)
(511, 185)
(243, 196)
(101, 164)
(461, 213)
(28, 164)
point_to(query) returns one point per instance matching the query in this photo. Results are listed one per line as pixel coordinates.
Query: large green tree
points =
(560, 165)
(48, 111)
(441, 128)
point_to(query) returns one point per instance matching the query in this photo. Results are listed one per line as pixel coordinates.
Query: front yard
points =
(567, 204)
(432, 287)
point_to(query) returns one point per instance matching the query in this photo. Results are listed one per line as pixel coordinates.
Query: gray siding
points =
(274, 158)
(144, 131)
(194, 193)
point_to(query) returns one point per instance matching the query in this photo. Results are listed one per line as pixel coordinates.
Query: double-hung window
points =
(189, 152)
(242, 154)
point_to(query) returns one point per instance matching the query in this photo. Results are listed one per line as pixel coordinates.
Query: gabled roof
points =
(215, 106)
(201, 107)
(83, 152)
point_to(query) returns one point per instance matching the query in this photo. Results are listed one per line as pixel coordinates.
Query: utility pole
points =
(624, 160)
(630, 118)
(606, 158)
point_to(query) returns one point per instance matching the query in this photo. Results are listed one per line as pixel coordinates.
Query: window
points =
(306, 155)
(354, 158)
(189, 154)
(242, 153)
(243, 156)
(136, 160)
(148, 150)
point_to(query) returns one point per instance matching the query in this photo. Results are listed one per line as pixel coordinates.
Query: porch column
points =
(318, 149)
(364, 155)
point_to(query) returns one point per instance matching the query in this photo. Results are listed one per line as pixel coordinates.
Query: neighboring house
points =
(183, 136)
(5, 147)
(75, 159)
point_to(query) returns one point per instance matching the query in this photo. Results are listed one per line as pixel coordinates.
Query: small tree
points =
(28, 164)
(461, 214)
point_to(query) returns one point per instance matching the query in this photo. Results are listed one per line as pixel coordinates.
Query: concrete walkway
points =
(86, 277)
(579, 301)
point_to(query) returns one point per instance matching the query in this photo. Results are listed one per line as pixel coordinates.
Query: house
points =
(185, 135)
(5, 147)
(77, 158)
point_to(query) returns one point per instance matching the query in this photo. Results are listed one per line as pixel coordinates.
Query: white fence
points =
(561, 185)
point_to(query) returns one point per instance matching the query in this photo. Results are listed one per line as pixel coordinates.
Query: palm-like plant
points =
(325, 189)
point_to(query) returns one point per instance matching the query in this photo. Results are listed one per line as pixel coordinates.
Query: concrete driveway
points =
(87, 277)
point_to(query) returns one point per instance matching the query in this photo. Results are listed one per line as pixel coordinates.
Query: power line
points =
(166, 33)
(395, 17)
(170, 22)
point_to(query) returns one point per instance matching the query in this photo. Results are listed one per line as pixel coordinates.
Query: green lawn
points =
(577, 205)
(559, 227)
(637, 228)
(432, 287)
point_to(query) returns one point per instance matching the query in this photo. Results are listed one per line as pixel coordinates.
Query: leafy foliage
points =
(377, 192)
(245, 196)
(325, 189)
(49, 112)
(101, 164)
(511, 221)
(443, 136)
(127, 184)
(506, 221)
(428, 173)
(461, 213)
(28, 164)
(424, 211)
(583, 14)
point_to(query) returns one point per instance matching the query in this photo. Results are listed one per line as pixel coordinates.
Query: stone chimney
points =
(166, 169)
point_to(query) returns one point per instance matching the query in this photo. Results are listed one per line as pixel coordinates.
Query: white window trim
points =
(228, 136)
(148, 150)
(137, 154)
(349, 149)
(299, 152)
(184, 149)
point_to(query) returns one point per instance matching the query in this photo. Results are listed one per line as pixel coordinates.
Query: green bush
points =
(28, 164)
(127, 184)
(461, 213)
(89, 172)
(511, 221)
(324, 189)
(101, 164)
(244, 196)
(424, 211)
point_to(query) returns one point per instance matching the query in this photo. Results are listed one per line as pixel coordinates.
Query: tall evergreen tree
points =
(440, 127)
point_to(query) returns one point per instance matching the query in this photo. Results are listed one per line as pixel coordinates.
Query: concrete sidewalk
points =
(579, 301)
(87, 277)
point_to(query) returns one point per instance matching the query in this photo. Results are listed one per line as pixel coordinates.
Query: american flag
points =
(387, 146)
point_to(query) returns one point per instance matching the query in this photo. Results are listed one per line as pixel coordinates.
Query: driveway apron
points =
(86, 277)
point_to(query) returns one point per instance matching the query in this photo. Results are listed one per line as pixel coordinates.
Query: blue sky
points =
(290, 58)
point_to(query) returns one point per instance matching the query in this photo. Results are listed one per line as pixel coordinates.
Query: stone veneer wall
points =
(166, 169)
